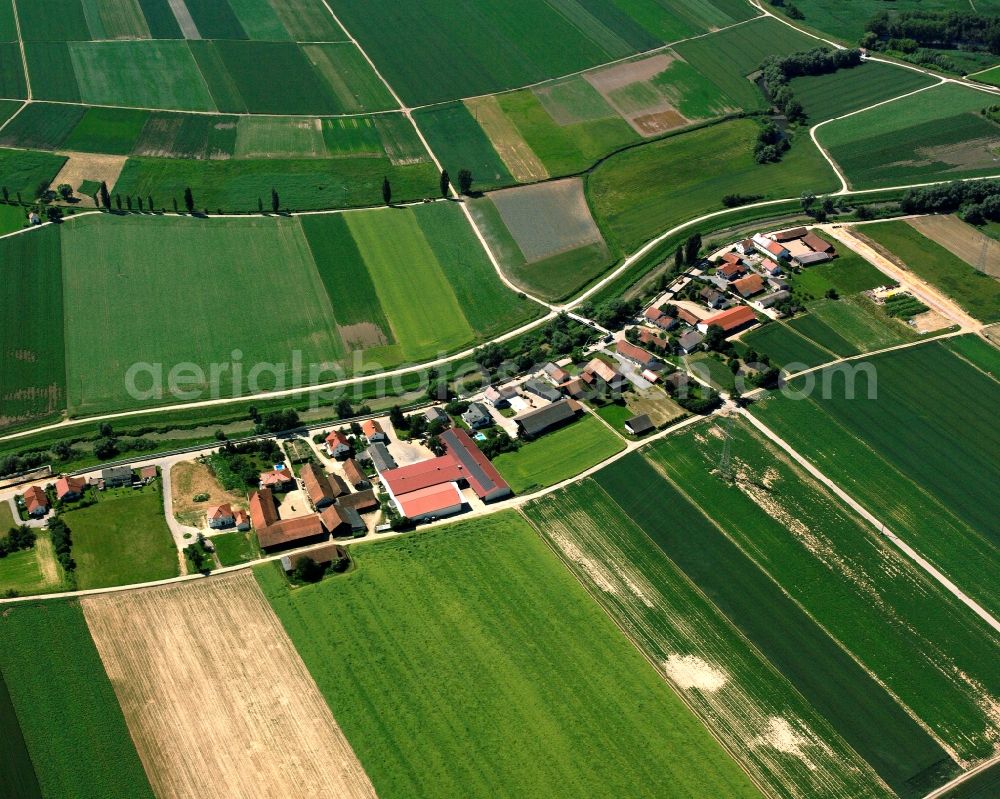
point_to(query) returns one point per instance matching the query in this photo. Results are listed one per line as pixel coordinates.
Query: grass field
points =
(441, 629)
(106, 130)
(934, 135)
(851, 326)
(17, 773)
(72, 743)
(32, 365)
(21, 171)
(627, 195)
(460, 143)
(42, 126)
(914, 635)
(975, 292)
(977, 352)
(234, 548)
(859, 709)
(558, 455)
(911, 474)
(848, 273)
(786, 347)
(745, 47)
(741, 697)
(827, 96)
(123, 539)
(32, 571)
(178, 657)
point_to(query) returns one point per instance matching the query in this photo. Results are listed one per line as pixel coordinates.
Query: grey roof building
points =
(543, 390)
(536, 422)
(690, 340)
(639, 425)
(476, 416)
(436, 414)
(117, 476)
(380, 457)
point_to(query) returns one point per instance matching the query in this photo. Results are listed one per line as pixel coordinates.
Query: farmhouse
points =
(746, 247)
(770, 268)
(499, 397)
(354, 475)
(477, 416)
(770, 248)
(730, 321)
(380, 457)
(373, 432)
(749, 286)
(241, 519)
(540, 389)
(732, 259)
(331, 555)
(556, 374)
(689, 341)
(337, 445)
(597, 370)
(712, 298)
(318, 487)
(277, 480)
(773, 299)
(117, 476)
(340, 521)
(662, 320)
(789, 235)
(534, 423)
(653, 339)
(732, 271)
(36, 502)
(637, 355)
(436, 414)
(70, 489)
(273, 534)
(221, 516)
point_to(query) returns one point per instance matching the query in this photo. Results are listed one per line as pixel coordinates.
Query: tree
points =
(65, 191)
(260, 205)
(275, 201)
(149, 202)
(105, 448)
(128, 201)
(465, 181)
(118, 202)
(396, 417)
(307, 571)
(189, 200)
(6, 194)
(386, 191)
(141, 204)
(691, 248)
(175, 205)
(445, 183)
(808, 200)
(105, 196)
(679, 258)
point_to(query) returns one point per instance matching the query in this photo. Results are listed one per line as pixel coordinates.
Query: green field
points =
(848, 273)
(558, 455)
(935, 135)
(32, 366)
(31, 571)
(21, 171)
(440, 631)
(974, 291)
(745, 47)
(234, 548)
(627, 195)
(912, 474)
(107, 130)
(786, 347)
(673, 624)
(42, 126)
(916, 637)
(123, 539)
(976, 351)
(858, 708)
(827, 96)
(851, 326)
(17, 775)
(68, 712)
(460, 143)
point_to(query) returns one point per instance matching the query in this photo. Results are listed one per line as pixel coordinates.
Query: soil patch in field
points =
(89, 166)
(964, 241)
(362, 336)
(659, 122)
(547, 218)
(507, 140)
(628, 89)
(690, 671)
(216, 698)
(188, 479)
(929, 321)
(970, 154)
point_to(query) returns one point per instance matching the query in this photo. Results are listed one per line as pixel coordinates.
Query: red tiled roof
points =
(70, 485)
(686, 316)
(731, 269)
(629, 350)
(733, 318)
(647, 336)
(336, 437)
(776, 249)
(275, 477)
(317, 485)
(220, 512)
(431, 501)
(353, 472)
(749, 285)
(600, 369)
(34, 497)
(262, 510)
(788, 235)
(240, 517)
(652, 314)
(816, 244)
(370, 427)
(288, 531)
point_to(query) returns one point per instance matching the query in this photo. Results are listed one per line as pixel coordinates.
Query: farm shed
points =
(354, 475)
(331, 554)
(540, 389)
(292, 533)
(432, 502)
(749, 285)
(639, 425)
(363, 501)
(730, 321)
(534, 423)
(339, 520)
(318, 487)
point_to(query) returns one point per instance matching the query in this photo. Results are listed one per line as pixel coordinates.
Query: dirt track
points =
(218, 701)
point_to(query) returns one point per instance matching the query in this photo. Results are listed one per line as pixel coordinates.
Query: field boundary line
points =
(201, 112)
(972, 772)
(917, 558)
(24, 56)
(591, 592)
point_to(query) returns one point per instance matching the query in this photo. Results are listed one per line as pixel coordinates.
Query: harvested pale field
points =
(629, 90)
(89, 166)
(547, 218)
(507, 140)
(608, 79)
(964, 241)
(655, 402)
(188, 479)
(215, 696)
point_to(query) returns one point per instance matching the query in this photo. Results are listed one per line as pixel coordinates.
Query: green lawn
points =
(912, 474)
(123, 539)
(861, 710)
(235, 548)
(976, 292)
(627, 192)
(674, 623)
(67, 710)
(558, 455)
(442, 631)
(12, 217)
(848, 273)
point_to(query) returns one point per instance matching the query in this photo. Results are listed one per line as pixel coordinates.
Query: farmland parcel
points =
(777, 735)
(182, 651)
(913, 475)
(443, 632)
(72, 724)
(858, 707)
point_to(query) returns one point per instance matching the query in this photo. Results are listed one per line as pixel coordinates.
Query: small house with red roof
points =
(338, 445)
(35, 502)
